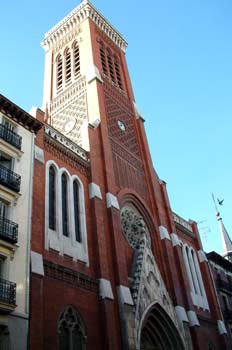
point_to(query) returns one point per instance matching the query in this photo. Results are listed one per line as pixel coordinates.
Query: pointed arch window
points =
(67, 65)
(59, 72)
(52, 198)
(64, 187)
(118, 72)
(110, 65)
(76, 207)
(76, 59)
(71, 332)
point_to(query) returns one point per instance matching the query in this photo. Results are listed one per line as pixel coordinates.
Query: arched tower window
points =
(52, 198)
(64, 187)
(67, 65)
(103, 59)
(118, 72)
(76, 59)
(71, 331)
(59, 71)
(76, 207)
(110, 65)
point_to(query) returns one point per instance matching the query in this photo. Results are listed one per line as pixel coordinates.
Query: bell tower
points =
(80, 50)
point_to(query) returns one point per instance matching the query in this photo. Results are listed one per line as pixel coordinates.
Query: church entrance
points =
(159, 332)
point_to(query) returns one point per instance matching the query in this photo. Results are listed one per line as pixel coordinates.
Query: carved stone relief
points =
(148, 286)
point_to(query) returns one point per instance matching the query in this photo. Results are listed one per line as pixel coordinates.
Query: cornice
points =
(76, 17)
(59, 139)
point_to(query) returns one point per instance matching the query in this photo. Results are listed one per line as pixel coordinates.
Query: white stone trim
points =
(39, 154)
(74, 19)
(105, 289)
(201, 255)
(55, 239)
(137, 112)
(175, 239)
(92, 74)
(37, 263)
(94, 191)
(181, 314)
(197, 289)
(164, 233)
(112, 201)
(193, 320)
(125, 295)
(221, 327)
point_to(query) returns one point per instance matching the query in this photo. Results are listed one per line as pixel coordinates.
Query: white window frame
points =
(54, 239)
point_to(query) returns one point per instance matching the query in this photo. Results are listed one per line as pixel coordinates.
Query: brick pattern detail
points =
(65, 155)
(128, 166)
(76, 279)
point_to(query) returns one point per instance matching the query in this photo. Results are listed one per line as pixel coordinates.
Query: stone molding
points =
(75, 18)
(92, 74)
(221, 327)
(105, 289)
(112, 201)
(201, 255)
(125, 295)
(175, 239)
(94, 191)
(164, 233)
(37, 263)
(181, 314)
(193, 320)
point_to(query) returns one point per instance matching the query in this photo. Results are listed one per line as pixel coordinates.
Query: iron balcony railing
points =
(8, 230)
(10, 179)
(7, 292)
(10, 136)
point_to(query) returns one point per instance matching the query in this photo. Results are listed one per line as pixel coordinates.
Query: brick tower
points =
(112, 266)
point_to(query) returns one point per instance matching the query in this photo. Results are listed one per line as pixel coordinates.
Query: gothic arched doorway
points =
(158, 332)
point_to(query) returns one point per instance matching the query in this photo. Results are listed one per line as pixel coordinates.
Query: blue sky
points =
(179, 56)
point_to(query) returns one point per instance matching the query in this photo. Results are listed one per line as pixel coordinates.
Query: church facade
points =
(112, 267)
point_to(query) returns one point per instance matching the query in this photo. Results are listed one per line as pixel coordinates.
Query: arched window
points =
(52, 198)
(67, 65)
(103, 59)
(76, 59)
(59, 71)
(71, 330)
(64, 189)
(118, 73)
(110, 65)
(76, 208)
(194, 276)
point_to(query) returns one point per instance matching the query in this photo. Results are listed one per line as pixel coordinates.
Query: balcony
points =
(7, 295)
(8, 230)
(10, 136)
(9, 179)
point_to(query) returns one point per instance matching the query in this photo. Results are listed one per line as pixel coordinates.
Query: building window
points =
(103, 59)
(52, 198)
(76, 59)
(118, 72)
(4, 337)
(67, 66)
(76, 210)
(64, 186)
(71, 332)
(194, 277)
(59, 72)
(65, 220)
(110, 65)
